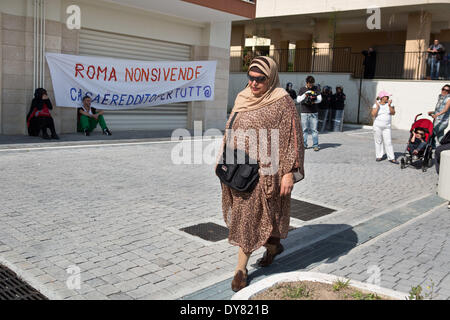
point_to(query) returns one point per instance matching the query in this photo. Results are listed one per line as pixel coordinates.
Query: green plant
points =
(415, 293)
(431, 288)
(340, 284)
(362, 296)
(290, 66)
(297, 292)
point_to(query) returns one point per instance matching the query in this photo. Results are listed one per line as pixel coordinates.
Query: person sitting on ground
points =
(89, 117)
(39, 117)
(417, 143)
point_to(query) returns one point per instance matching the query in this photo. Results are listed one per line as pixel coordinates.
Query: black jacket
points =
(445, 139)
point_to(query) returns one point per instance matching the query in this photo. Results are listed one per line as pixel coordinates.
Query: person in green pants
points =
(89, 117)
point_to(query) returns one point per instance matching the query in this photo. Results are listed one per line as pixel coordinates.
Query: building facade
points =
(127, 29)
(326, 39)
(330, 35)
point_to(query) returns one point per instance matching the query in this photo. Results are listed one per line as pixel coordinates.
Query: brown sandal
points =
(239, 281)
(268, 257)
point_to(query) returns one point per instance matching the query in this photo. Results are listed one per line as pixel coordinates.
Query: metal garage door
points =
(99, 43)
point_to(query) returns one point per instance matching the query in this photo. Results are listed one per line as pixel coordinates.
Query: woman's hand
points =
(375, 111)
(287, 184)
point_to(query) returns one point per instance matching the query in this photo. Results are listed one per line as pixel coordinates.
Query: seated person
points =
(39, 117)
(417, 142)
(89, 117)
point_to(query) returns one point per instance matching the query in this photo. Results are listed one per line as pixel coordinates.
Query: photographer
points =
(309, 97)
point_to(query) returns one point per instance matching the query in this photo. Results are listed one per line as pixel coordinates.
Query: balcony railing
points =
(388, 65)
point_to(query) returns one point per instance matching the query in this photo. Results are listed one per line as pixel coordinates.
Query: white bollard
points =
(444, 175)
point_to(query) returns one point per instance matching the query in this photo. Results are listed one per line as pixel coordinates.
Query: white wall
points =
(274, 8)
(409, 97)
(111, 17)
(130, 21)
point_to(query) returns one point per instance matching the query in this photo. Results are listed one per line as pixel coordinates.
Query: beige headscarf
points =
(246, 101)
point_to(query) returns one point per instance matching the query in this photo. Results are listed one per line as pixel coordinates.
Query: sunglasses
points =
(257, 79)
(444, 89)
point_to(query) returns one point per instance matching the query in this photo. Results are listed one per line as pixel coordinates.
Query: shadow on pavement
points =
(329, 145)
(324, 251)
(96, 135)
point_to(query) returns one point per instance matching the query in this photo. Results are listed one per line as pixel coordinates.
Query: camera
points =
(311, 97)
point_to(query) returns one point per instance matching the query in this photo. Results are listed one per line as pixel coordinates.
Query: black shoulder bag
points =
(238, 176)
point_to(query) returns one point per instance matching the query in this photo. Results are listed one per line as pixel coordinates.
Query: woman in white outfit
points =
(382, 111)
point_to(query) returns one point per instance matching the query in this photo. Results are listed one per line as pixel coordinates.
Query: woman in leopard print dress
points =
(266, 118)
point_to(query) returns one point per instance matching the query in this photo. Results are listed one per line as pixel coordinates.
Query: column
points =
(69, 45)
(237, 48)
(16, 73)
(322, 42)
(215, 46)
(1, 71)
(279, 50)
(303, 56)
(444, 176)
(417, 40)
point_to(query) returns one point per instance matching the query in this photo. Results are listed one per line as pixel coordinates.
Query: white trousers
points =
(382, 136)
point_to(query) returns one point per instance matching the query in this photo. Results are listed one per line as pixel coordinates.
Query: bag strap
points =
(230, 127)
(232, 120)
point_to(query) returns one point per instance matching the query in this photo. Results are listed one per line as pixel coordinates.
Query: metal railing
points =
(388, 65)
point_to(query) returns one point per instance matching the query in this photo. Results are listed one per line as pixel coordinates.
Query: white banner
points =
(115, 84)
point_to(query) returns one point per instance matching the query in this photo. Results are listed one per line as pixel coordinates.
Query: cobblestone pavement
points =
(414, 254)
(114, 211)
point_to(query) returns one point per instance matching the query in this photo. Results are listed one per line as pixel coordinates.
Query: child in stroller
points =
(416, 144)
(419, 144)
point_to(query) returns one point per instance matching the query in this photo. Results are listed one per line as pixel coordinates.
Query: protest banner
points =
(118, 84)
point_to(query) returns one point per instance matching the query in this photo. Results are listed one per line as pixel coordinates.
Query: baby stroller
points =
(424, 155)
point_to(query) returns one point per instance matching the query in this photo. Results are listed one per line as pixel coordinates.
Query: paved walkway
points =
(113, 209)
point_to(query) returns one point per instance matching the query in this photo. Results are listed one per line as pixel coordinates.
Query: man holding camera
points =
(309, 98)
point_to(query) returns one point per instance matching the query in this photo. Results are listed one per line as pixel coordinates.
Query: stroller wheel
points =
(402, 163)
(429, 162)
(425, 165)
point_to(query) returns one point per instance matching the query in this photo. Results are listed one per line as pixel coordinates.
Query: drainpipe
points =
(359, 97)
(34, 43)
(39, 44)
